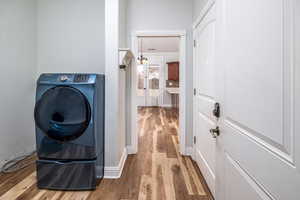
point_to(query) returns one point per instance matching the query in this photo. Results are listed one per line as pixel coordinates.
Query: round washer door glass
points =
(63, 113)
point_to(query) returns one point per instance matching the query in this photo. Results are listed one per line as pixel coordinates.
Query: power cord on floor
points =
(17, 163)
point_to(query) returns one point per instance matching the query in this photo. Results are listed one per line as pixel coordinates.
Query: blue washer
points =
(69, 118)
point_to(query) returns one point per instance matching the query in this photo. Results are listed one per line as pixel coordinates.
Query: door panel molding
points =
(260, 139)
(259, 190)
(205, 96)
(284, 130)
(203, 13)
(282, 146)
(206, 107)
(207, 172)
(258, 161)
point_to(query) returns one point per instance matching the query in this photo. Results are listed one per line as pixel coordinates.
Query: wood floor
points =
(156, 172)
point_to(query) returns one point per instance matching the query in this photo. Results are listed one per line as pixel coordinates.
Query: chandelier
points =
(141, 59)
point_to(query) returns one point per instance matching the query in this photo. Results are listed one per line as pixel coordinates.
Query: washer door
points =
(63, 113)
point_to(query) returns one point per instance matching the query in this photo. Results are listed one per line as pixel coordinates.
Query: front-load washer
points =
(69, 118)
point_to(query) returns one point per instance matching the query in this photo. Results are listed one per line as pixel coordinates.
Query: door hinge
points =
(195, 43)
(195, 140)
(195, 91)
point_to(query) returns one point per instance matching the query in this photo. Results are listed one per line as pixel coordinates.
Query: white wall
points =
(17, 69)
(124, 125)
(198, 5)
(122, 107)
(39, 36)
(167, 15)
(123, 23)
(159, 14)
(114, 143)
(71, 36)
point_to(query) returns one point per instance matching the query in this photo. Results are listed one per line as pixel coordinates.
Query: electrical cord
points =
(17, 163)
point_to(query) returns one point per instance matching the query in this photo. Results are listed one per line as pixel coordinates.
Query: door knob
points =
(215, 132)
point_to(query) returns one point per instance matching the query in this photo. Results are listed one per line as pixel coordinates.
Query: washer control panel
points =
(68, 78)
(81, 78)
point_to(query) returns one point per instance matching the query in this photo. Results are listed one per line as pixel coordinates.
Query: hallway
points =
(156, 172)
(164, 173)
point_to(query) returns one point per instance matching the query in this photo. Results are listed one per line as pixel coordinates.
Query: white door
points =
(153, 85)
(141, 85)
(258, 150)
(150, 82)
(204, 97)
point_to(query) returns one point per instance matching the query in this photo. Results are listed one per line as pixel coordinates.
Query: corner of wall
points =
(115, 172)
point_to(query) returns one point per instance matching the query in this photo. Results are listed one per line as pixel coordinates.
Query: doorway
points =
(150, 79)
(159, 110)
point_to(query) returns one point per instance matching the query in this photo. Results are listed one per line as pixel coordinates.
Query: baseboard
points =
(131, 150)
(26, 151)
(189, 151)
(166, 105)
(116, 172)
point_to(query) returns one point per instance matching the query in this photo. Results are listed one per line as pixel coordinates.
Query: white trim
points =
(131, 150)
(203, 12)
(134, 114)
(183, 68)
(25, 151)
(116, 172)
(182, 96)
(166, 105)
(124, 49)
(156, 33)
(207, 172)
(190, 151)
(160, 53)
(111, 80)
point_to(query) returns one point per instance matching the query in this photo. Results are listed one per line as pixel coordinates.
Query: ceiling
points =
(159, 44)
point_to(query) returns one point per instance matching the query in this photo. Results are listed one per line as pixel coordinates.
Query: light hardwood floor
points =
(157, 172)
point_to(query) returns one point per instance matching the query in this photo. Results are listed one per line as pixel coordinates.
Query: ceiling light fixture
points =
(142, 60)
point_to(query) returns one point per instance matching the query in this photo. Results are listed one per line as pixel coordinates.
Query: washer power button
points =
(64, 78)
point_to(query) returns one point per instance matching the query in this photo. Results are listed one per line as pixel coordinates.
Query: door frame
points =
(133, 148)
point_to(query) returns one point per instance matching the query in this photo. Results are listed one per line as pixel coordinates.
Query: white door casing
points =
(204, 96)
(133, 148)
(258, 151)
